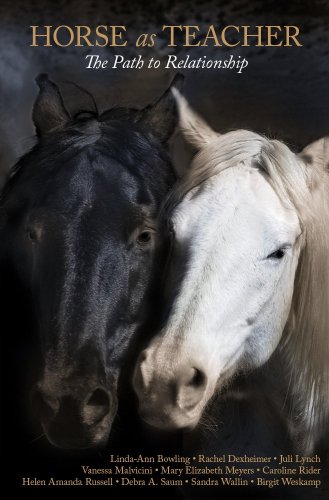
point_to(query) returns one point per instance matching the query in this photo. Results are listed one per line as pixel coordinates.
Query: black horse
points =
(81, 252)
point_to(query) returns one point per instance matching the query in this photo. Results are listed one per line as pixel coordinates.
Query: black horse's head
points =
(81, 239)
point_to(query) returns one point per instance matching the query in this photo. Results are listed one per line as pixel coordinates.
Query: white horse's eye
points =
(278, 254)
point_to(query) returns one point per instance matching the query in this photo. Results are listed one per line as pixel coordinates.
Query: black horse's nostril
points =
(99, 398)
(79, 416)
(96, 407)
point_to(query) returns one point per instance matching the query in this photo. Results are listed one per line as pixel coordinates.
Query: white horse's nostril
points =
(198, 378)
(190, 387)
(191, 377)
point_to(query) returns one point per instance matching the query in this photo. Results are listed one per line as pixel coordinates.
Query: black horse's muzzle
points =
(76, 418)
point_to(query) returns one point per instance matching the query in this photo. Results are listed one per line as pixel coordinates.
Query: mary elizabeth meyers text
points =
(94, 61)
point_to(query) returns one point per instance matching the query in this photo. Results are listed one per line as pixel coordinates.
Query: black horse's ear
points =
(162, 116)
(49, 112)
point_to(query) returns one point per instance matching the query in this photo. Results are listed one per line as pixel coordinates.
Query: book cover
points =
(164, 210)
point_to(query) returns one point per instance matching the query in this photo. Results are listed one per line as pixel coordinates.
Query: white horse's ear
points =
(317, 153)
(193, 128)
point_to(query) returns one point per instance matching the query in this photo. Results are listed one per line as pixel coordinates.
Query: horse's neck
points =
(274, 381)
(246, 418)
(261, 404)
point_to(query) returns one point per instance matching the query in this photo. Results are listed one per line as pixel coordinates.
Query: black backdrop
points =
(283, 93)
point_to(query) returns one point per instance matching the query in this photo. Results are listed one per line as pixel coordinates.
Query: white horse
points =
(249, 272)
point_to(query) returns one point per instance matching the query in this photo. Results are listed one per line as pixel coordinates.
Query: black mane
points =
(113, 135)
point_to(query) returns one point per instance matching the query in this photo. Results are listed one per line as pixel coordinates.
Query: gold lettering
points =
(84, 37)
(116, 33)
(172, 33)
(247, 35)
(211, 34)
(101, 35)
(35, 35)
(224, 39)
(293, 36)
(55, 37)
(272, 33)
(192, 35)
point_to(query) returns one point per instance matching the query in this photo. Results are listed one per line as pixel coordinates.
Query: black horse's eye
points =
(278, 254)
(32, 234)
(145, 237)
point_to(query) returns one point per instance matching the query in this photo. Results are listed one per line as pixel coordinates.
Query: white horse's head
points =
(250, 227)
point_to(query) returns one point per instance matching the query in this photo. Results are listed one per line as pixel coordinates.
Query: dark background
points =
(283, 92)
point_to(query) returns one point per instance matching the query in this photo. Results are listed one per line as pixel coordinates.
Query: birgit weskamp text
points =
(238, 64)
